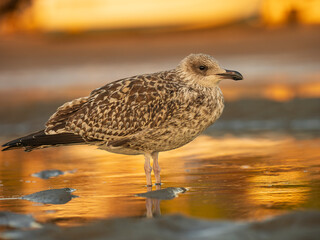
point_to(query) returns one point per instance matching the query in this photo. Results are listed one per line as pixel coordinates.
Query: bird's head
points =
(204, 70)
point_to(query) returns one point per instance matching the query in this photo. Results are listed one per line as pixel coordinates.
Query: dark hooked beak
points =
(230, 74)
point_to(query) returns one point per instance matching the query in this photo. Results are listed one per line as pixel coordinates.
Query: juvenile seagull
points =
(144, 114)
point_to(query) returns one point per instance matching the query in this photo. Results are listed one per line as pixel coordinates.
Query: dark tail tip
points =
(40, 139)
(22, 141)
(12, 145)
(6, 144)
(7, 148)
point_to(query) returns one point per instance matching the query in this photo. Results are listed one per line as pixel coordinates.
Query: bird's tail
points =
(40, 140)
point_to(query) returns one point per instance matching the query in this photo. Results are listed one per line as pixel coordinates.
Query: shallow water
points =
(228, 178)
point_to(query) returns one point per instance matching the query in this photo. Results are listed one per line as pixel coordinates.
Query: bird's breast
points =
(195, 114)
(205, 108)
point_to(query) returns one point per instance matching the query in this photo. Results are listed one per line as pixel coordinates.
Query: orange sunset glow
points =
(74, 15)
(84, 15)
(259, 159)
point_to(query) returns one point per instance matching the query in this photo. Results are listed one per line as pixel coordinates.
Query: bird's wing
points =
(56, 123)
(119, 109)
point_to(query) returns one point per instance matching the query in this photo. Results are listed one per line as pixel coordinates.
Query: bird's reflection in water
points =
(153, 204)
(153, 198)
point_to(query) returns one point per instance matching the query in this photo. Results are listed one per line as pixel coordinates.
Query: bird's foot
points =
(151, 185)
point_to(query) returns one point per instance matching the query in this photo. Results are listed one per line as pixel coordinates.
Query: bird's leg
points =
(148, 169)
(156, 167)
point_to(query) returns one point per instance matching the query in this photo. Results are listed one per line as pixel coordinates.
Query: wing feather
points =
(57, 121)
(118, 110)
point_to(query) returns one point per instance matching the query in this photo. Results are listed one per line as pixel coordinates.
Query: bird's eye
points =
(203, 68)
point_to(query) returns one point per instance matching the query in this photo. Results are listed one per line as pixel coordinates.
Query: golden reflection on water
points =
(281, 188)
(234, 178)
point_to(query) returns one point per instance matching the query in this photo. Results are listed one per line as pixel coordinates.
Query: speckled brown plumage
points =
(145, 113)
(149, 113)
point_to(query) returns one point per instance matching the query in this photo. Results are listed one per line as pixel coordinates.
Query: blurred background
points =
(55, 50)
(262, 156)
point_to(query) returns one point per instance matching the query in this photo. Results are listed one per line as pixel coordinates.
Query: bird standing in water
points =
(144, 114)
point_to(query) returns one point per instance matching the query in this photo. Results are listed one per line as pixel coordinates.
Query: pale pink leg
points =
(156, 167)
(148, 169)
